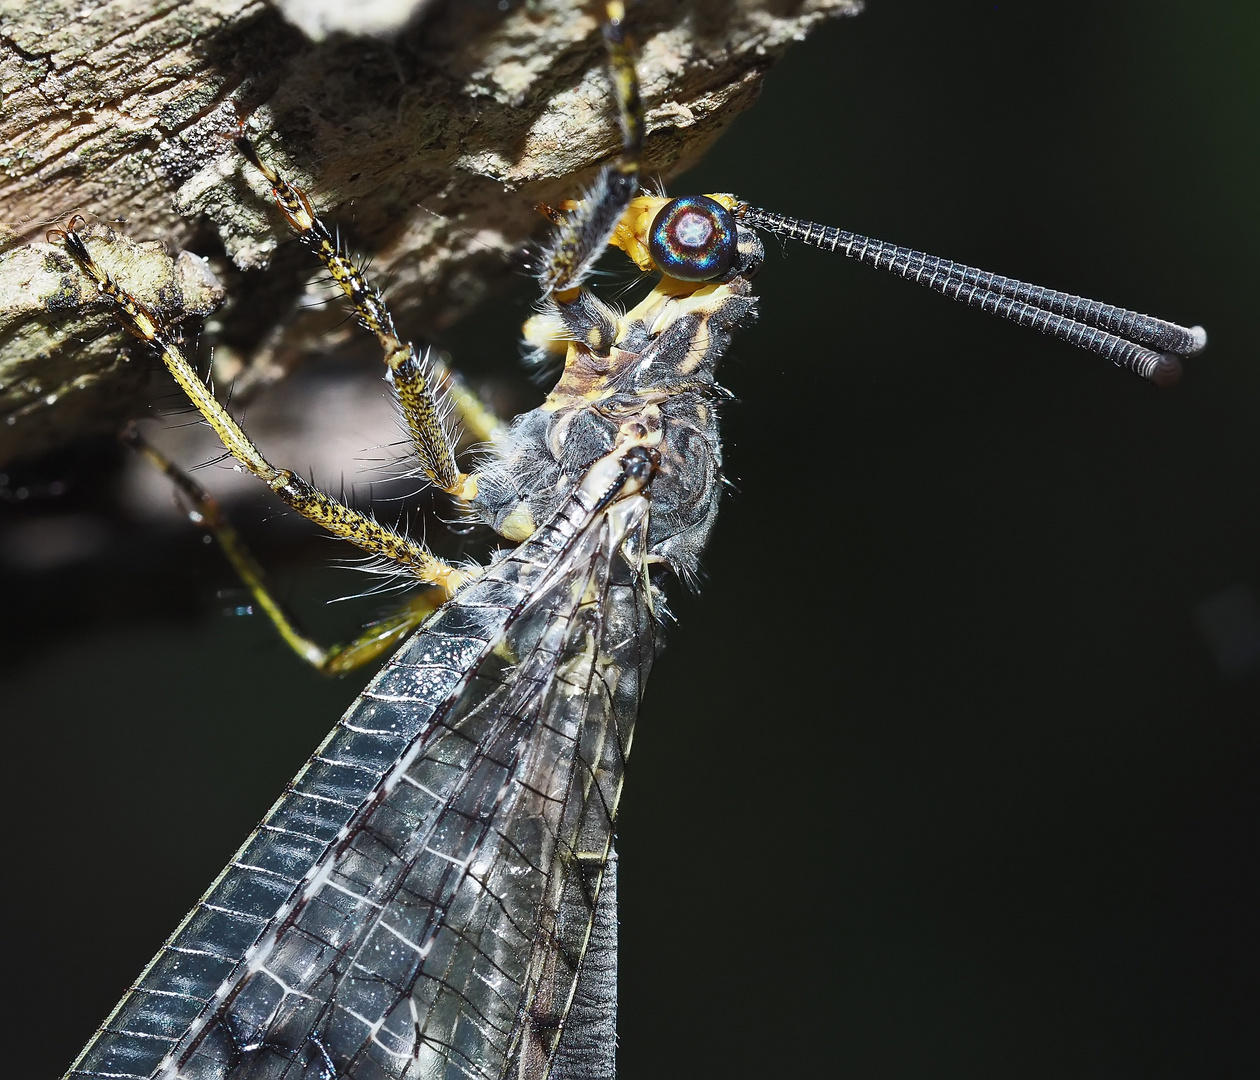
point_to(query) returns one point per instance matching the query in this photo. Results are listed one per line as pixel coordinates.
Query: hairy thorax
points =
(656, 381)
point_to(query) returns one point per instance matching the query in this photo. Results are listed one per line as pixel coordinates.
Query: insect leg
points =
(583, 233)
(479, 422)
(374, 640)
(412, 375)
(340, 520)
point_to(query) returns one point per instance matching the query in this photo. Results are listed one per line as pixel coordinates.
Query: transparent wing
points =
(419, 903)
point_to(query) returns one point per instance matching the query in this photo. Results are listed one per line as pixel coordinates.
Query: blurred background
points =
(950, 769)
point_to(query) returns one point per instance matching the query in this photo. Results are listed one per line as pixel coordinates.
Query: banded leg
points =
(584, 228)
(337, 518)
(375, 639)
(413, 377)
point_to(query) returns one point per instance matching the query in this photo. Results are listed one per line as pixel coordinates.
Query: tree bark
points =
(441, 137)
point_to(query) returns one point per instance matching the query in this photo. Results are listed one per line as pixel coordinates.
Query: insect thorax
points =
(657, 380)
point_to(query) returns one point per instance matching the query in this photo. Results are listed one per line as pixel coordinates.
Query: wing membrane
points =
(419, 902)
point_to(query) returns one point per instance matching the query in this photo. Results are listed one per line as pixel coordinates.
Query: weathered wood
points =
(433, 144)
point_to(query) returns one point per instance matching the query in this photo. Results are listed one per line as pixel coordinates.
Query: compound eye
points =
(693, 239)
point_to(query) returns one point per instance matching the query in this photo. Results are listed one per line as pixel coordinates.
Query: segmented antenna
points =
(1145, 345)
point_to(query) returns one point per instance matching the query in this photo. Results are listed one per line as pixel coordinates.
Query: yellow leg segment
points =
(413, 377)
(340, 520)
(583, 229)
(375, 640)
(476, 418)
(626, 85)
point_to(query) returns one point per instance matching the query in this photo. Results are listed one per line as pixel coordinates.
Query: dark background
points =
(951, 769)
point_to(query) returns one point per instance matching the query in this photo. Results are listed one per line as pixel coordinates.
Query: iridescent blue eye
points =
(693, 239)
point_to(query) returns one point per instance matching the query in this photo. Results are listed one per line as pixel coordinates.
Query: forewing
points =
(419, 902)
(572, 791)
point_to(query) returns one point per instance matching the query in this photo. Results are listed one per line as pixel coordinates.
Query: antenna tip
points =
(1199, 336)
(1167, 371)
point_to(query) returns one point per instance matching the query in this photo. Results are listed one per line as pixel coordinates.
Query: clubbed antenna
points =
(1148, 346)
